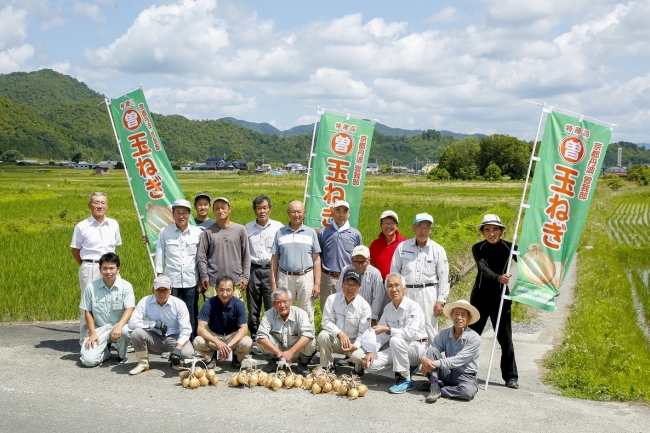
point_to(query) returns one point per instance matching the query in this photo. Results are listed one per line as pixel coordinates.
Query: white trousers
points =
(329, 345)
(300, 287)
(88, 272)
(398, 357)
(426, 298)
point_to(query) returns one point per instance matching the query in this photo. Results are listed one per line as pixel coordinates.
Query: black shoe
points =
(303, 369)
(235, 364)
(270, 367)
(434, 393)
(512, 383)
(360, 373)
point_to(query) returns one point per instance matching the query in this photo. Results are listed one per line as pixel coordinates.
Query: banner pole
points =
(522, 206)
(311, 156)
(128, 180)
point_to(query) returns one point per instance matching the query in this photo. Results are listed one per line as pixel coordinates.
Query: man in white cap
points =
(424, 265)
(372, 285)
(336, 243)
(454, 375)
(202, 206)
(382, 248)
(92, 238)
(223, 252)
(346, 316)
(160, 323)
(176, 257)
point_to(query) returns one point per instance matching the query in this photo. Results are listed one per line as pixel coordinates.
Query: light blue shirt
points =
(460, 355)
(337, 245)
(372, 288)
(173, 313)
(176, 255)
(107, 304)
(295, 247)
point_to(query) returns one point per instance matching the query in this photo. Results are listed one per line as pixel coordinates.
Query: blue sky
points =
(465, 66)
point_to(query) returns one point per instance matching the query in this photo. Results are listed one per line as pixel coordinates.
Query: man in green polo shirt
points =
(107, 304)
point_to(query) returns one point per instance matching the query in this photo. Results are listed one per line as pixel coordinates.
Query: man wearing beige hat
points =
(454, 375)
(160, 323)
(423, 263)
(336, 243)
(223, 252)
(176, 257)
(372, 285)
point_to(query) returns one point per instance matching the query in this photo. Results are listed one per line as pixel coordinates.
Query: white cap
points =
(162, 282)
(181, 202)
(361, 250)
(389, 214)
(339, 203)
(423, 217)
(490, 219)
(222, 199)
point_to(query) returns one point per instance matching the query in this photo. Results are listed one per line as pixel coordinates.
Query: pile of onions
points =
(198, 377)
(322, 381)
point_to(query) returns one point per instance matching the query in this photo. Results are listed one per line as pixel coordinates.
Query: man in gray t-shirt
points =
(223, 252)
(295, 260)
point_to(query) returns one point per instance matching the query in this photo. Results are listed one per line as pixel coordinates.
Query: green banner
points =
(153, 182)
(338, 167)
(571, 155)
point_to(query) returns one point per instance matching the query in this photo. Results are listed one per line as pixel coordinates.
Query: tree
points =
(234, 155)
(438, 173)
(639, 173)
(492, 172)
(76, 157)
(12, 156)
(459, 159)
(510, 154)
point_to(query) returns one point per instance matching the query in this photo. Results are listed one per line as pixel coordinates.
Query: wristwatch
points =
(388, 332)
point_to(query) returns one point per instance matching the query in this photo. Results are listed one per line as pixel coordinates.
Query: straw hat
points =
(490, 219)
(448, 308)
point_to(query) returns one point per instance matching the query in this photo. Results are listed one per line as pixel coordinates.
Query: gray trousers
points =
(148, 340)
(455, 383)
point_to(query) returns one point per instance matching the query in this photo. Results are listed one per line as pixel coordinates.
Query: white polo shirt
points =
(94, 239)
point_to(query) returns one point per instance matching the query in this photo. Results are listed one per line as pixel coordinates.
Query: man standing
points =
(295, 260)
(223, 251)
(92, 238)
(346, 317)
(176, 256)
(336, 243)
(222, 327)
(261, 233)
(402, 327)
(423, 263)
(372, 285)
(456, 371)
(160, 323)
(383, 248)
(286, 333)
(202, 206)
(108, 303)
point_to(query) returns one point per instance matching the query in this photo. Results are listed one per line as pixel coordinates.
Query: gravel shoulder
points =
(43, 388)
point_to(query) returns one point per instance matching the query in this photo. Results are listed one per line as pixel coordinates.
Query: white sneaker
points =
(130, 349)
(164, 355)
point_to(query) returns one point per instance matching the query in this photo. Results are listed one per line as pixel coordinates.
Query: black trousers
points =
(190, 296)
(258, 293)
(487, 303)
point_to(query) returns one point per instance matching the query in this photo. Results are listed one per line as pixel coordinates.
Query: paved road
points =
(42, 388)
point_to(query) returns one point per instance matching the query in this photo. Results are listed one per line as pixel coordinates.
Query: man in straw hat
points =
(492, 256)
(454, 375)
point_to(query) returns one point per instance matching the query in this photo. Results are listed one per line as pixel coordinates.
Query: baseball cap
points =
(389, 214)
(162, 281)
(338, 203)
(352, 274)
(202, 195)
(361, 250)
(423, 217)
(182, 203)
(222, 199)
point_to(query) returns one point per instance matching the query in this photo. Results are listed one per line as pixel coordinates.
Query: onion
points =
(343, 389)
(538, 267)
(289, 381)
(253, 379)
(336, 384)
(363, 389)
(269, 380)
(215, 381)
(309, 382)
(204, 381)
(353, 393)
(185, 382)
(242, 378)
(276, 383)
(198, 372)
(321, 380)
(327, 387)
(234, 381)
(316, 388)
(185, 374)
(210, 374)
(194, 382)
(298, 382)
(559, 275)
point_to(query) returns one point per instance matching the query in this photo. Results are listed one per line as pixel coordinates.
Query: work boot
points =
(434, 393)
(143, 363)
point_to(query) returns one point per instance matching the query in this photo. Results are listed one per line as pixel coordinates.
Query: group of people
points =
(380, 305)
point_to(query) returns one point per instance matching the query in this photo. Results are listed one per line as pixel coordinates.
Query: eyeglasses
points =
(423, 228)
(393, 286)
(351, 283)
(359, 262)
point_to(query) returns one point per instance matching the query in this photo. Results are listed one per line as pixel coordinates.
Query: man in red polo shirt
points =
(382, 248)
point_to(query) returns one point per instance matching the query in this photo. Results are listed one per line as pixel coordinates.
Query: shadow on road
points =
(71, 345)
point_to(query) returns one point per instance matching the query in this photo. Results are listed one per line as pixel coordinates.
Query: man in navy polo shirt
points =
(223, 327)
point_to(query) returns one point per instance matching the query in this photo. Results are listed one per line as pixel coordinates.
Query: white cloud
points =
(14, 51)
(200, 102)
(91, 11)
(446, 15)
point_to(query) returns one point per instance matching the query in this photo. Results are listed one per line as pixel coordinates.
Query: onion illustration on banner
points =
(158, 217)
(540, 269)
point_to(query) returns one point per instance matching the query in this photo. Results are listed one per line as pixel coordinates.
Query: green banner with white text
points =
(150, 174)
(571, 156)
(338, 167)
